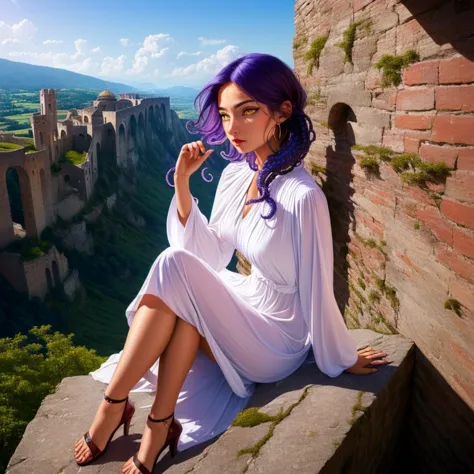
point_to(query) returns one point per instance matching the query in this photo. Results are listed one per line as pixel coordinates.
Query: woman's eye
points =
(244, 112)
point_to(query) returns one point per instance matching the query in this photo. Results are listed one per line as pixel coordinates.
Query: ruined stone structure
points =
(50, 188)
(404, 253)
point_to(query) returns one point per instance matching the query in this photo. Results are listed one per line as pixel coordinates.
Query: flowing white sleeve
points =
(334, 348)
(200, 237)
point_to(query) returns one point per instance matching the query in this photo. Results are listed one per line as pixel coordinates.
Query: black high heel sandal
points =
(174, 432)
(126, 419)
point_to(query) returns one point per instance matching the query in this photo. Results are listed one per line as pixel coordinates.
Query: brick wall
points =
(401, 250)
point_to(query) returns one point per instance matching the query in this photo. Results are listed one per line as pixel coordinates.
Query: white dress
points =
(259, 327)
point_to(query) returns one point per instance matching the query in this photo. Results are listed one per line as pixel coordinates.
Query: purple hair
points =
(270, 81)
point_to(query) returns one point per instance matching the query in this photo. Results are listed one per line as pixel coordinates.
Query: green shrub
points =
(30, 369)
(55, 168)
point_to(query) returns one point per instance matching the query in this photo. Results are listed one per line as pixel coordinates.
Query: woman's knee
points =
(154, 302)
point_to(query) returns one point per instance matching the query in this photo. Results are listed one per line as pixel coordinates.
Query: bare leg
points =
(147, 338)
(175, 363)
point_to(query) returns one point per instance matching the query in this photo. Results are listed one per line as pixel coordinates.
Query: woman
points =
(213, 333)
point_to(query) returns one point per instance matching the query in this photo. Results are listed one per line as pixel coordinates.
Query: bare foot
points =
(153, 439)
(106, 419)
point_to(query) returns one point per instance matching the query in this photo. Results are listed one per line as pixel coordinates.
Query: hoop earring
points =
(278, 139)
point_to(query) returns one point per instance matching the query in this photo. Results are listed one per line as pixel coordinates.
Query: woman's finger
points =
(201, 146)
(194, 150)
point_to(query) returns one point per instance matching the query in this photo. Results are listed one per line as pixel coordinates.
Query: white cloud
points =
(151, 49)
(124, 41)
(95, 50)
(9, 41)
(208, 41)
(80, 45)
(58, 60)
(111, 66)
(208, 66)
(22, 31)
(53, 42)
(183, 53)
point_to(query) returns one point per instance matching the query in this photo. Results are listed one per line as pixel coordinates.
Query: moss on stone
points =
(315, 169)
(392, 67)
(370, 164)
(361, 283)
(312, 56)
(298, 42)
(254, 450)
(374, 297)
(453, 305)
(348, 43)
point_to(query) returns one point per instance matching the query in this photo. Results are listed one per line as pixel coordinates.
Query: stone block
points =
(435, 154)
(414, 122)
(466, 159)
(321, 416)
(425, 72)
(463, 241)
(456, 262)
(457, 70)
(460, 186)
(418, 99)
(455, 98)
(458, 212)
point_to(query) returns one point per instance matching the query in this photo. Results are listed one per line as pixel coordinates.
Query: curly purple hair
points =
(270, 81)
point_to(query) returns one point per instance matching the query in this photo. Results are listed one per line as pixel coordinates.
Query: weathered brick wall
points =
(402, 251)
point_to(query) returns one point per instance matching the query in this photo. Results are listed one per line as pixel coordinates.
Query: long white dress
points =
(259, 327)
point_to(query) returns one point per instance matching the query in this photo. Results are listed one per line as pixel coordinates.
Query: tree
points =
(30, 368)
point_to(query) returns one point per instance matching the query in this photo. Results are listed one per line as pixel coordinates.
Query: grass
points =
(4, 146)
(75, 157)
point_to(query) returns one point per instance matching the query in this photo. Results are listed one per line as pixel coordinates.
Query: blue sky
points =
(167, 43)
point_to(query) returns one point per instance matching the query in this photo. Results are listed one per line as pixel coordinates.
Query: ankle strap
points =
(156, 420)
(111, 400)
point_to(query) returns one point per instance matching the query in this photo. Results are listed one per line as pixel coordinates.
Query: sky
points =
(166, 43)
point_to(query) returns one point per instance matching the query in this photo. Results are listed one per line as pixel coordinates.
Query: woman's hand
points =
(367, 356)
(189, 160)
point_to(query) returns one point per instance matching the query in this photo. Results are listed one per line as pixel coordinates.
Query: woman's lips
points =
(238, 141)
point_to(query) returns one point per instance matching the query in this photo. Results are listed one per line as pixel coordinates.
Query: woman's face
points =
(246, 119)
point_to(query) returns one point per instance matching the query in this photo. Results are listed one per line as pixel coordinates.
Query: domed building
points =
(105, 97)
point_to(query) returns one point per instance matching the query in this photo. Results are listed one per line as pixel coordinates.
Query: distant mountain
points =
(16, 75)
(177, 91)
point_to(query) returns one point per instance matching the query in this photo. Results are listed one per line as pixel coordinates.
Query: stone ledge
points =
(347, 424)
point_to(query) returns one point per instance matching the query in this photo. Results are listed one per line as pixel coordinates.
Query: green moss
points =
(453, 305)
(348, 43)
(315, 169)
(312, 56)
(361, 283)
(323, 124)
(4, 146)
(357, 292)
(251, 417)
(370, 164)
(298, 42)
(405, 161)
(391, 294)
(254, 450)
(416, 225)
(392, 67)
(374, 297)
(74, 157)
